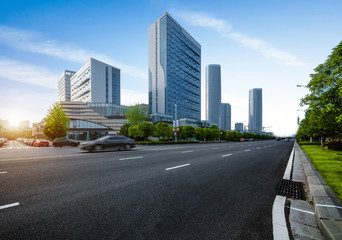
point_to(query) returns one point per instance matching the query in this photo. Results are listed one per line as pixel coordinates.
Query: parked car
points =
(109, 142)
(65, 142)
(32, 141)
(41, 143)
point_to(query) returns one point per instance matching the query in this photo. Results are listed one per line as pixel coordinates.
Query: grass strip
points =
(329, 164)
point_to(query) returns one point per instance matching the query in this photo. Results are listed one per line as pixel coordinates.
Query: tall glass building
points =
(174, 59)
(255, 110)
(64, 86)
(213, 93)
(226, 117)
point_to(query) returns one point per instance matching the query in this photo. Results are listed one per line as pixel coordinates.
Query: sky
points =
(273, 45)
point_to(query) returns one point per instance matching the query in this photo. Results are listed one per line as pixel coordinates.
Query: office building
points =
(213, 93)
(96, 81)
(174, 60)
(64, 86)
(226, 117)
(255, 111)
(239, 127)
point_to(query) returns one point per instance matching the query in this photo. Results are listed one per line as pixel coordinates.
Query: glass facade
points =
(180, 59)
(255, 110)
(116, 86)
(108, 109)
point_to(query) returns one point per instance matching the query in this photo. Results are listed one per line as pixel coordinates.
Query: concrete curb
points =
(328, 209)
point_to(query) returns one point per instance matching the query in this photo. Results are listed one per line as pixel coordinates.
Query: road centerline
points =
(180, 166)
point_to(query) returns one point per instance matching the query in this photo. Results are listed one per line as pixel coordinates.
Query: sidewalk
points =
(312, 211)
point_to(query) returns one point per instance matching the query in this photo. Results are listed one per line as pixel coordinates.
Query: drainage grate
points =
(291, 189)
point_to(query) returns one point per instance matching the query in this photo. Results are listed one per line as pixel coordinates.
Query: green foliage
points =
(199, 134)
(145, 129)
(133, 131)
(324, 114)
(214, 127)
(14, 133)
(187, 132)
(124, 130)
(136, 114)
(163, 130)
(57, 123)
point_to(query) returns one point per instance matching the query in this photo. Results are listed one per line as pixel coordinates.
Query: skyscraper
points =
(226, 117)
(213, 93)
(174, 60)
(64, 86)
(96, 81)
(255, 110)
(239, 127)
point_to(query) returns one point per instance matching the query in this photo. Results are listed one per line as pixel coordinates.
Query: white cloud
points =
(34, 42)
(225, 30)
(27, 73)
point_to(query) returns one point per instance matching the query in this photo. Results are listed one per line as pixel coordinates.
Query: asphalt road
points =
(193, 191)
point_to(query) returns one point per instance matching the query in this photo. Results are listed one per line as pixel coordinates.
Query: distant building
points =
(174, 62)
(213, 93)
(4, 123)
(24, 124)
(64, 86)
(255, 111)
(226, 117)
(37, 129)
(239, 127)
(96, 81)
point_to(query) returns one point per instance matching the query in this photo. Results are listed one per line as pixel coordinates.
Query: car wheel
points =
(128, 147)
(98, 148)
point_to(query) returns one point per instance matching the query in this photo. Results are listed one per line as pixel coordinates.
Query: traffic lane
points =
(97, 198)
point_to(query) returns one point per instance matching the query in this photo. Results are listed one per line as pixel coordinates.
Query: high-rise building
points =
(255, 110)
(226, 117)
(64, 86)
(239, 127)
(174, 60)
(213, 93)
(96, 81)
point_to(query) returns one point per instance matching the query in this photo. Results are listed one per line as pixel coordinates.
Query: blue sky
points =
(274, 45)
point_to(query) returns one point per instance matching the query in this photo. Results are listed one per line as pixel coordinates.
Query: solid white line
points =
(331, 206)
(184, 165)
(227, 155)
(300, 210)
(247, 150)
(3, 172)
(130, 158)
(190, 151)
(9, 205)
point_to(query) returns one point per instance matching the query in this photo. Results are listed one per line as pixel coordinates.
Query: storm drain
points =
(291, 189)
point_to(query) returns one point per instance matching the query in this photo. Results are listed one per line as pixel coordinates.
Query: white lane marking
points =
(121, 159)
(265, 146)
(157, 149)
(227, 155)
(9, 205)
(3, 172)
(331, 206)
(301, 210)
(247, 150)
(184, 165)
(258, 148)
(190, 151)
(215, 148)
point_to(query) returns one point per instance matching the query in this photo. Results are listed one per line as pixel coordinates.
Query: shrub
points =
(335, 145)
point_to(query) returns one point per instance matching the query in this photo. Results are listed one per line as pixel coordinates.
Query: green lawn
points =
(329, 165)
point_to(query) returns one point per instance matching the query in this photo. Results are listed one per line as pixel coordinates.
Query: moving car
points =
(65, 142)
(109, 142)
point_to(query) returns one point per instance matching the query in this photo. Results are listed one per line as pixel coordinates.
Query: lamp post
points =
(176, 125)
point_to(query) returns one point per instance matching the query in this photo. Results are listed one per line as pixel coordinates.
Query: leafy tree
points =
(124, 130)
(133, 131)
(199, 134)
(136, 114)
(163, 130)
(57, 123)
(214, 127)
(223, 134)
(215, 133)
(145, 129)
(325, 98)
(188, 132)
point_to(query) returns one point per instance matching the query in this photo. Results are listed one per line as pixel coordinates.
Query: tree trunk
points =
(322, 143)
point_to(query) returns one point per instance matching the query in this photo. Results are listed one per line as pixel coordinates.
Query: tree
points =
(124, 130)
(136, 114)
(133, 131)
(199, 134)
(57, 123)
(145, 129)
(188, 132)
(215, 133)
(163, 130)
(325, 98)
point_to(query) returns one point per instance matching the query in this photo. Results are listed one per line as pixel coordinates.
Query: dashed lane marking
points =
(184, 165)
(3, 172)
(9, 205)
(258, 148)
(190, 151)
(227, 155)
(121, 159)
(247, 150)
(215, 148)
